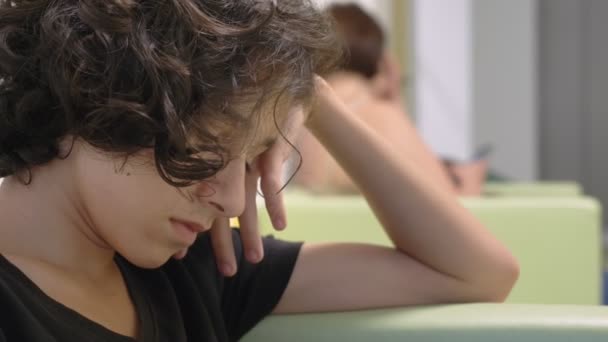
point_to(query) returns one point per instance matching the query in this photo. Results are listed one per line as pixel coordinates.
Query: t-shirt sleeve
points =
(256, 289)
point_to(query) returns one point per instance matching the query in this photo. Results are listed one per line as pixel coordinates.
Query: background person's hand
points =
(267, 167)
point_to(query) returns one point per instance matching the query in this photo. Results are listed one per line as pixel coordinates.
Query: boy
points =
(131, 131)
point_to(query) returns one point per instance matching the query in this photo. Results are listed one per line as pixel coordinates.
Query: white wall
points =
(475, 80)
(442, 75)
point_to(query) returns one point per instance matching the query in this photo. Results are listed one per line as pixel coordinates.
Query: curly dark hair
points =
(125, 75)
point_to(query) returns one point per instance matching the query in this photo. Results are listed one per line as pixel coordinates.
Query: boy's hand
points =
(268, 168)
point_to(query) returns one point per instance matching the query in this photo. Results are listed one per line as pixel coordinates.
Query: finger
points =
(250, 232)
(271, 171)
(223, 248)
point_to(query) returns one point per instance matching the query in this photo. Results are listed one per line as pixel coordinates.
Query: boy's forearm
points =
(421, 218)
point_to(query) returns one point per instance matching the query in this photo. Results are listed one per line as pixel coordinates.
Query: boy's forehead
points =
(251, 106)
(263, 131)
(265, 122)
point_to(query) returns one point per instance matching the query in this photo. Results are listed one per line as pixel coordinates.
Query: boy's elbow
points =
(503, 280)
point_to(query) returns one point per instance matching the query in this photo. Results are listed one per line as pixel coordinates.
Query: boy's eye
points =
(247, 167)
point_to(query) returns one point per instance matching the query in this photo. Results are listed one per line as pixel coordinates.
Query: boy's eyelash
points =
(247, 167)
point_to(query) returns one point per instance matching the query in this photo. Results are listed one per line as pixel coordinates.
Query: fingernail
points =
(254, 256)
(279, 224)
(227, 269)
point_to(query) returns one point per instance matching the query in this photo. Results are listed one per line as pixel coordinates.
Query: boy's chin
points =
(180, 254)
(151, 261)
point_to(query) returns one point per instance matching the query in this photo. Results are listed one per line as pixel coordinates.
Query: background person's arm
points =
(393, 124)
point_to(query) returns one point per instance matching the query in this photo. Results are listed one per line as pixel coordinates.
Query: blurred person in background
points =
(370, 85)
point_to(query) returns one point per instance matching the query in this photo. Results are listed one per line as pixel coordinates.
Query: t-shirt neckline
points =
(146, 329)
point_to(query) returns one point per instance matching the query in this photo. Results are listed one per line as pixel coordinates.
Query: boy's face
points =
(135, 212)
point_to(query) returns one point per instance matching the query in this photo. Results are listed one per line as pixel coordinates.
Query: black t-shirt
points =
(187, 300)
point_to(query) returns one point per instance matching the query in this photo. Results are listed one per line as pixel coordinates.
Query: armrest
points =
(453, 323)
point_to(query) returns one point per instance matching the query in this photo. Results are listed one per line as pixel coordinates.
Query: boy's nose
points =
(227, 193)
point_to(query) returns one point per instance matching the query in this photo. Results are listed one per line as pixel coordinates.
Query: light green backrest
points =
(539, 189)
(449, 323)
(556, 240)
(542, 189)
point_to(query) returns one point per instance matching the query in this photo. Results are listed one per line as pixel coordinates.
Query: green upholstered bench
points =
(556, 240)
(448, 323)
(541, 189)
